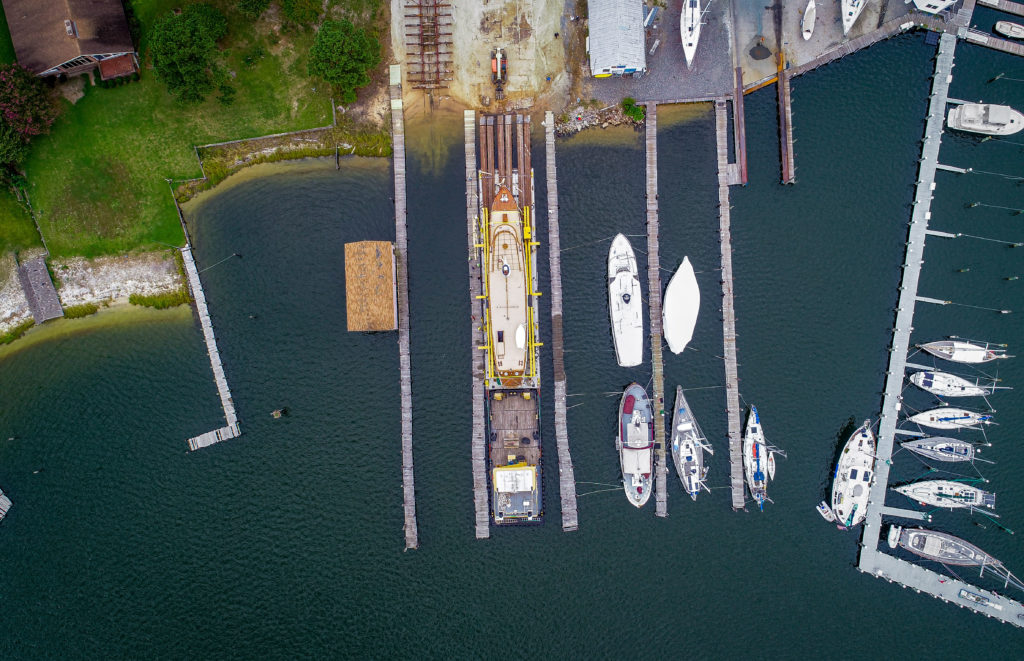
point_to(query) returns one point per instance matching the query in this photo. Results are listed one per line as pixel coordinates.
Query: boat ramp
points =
(872, 560)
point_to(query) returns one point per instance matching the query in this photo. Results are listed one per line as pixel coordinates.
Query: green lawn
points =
(98, 179)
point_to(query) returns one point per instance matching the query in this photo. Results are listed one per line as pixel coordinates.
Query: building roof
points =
(370, 301)
(616, 36)
(40, 36)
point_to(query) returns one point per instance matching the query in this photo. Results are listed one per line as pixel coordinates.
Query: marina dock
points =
(654, 307)
(785, 124)
(732, 393)
(1004, 5)
(231, 429)
(402, 273)
(566, 474)
(478, 442)
(872, 560)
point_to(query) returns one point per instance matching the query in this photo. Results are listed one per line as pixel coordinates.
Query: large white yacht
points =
(625, 304)
(985, 118)
(852, 480)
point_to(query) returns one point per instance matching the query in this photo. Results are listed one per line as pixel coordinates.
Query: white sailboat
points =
(758, 459)
(947, 493)
(680, 307)
(851, 12)
(807, 21)
(949, 385)
(689, 27)
(625, 304)
(942, 448)
(852, 480)
(688, 447)
(950, 418)
(959, 351)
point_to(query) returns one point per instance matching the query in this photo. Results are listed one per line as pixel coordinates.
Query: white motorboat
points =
(851, 12)
(1011, 30)
(933, 6)
(635, 443)
(689, 27)
(950, 418)
(985, 118)
(680, 306)
(688, 447)
(826, 512)
(958, 351)
(942, 448)
(852, 480)
(948, 385)
(807, 21)
(625, 303)
(758, 459)
(947, 493)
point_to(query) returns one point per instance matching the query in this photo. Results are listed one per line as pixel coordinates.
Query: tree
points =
(253, 8)
(342, 54)
(184, 48)
(26, 110)
(303, 12)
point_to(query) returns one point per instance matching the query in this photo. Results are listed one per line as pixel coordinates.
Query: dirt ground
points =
(112, 278)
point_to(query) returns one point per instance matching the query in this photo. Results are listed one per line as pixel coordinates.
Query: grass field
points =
(97, 181)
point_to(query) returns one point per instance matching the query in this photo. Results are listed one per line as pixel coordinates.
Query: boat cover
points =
(514, 480)
(680, 307)
(637, 461)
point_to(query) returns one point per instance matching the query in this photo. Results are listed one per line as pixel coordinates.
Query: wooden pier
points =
(732, 396)
(566, 474)
(989, 41)
(5, 505)
(785, 124)
(231, 429)
(477, 183)
(654, 307)
(402, 262)
(739, 131)
(1004, 5)
(872, 560)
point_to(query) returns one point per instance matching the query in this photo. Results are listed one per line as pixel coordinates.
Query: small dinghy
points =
(1011, 30)
(948, 385)
(942, 448)
(950, 418)
(825, 512)
(680, 307)
(852, 480)
(958, 351)
(948, 494)
(807, 22)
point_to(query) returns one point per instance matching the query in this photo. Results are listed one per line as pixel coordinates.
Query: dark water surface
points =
(287, 542)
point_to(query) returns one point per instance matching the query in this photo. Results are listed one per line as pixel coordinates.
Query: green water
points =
(288, 541)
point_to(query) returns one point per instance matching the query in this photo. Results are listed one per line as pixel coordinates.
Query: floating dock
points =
(732, 393)
(5, 505)
(985, 39)
(402, 269)
(872, 560)
(785, 124)
(566, 474)
(478, 442)
(231, 429)
(1004, 5)
(654, 307)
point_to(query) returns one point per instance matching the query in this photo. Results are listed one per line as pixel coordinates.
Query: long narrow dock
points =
(872, 560)
(989, 41)
(1004, 5)
(231, 429)
(739, 130)
(476, 184)
(566, 474)
(402, 263)
(654, 306)
(785, 124)
(732, 393)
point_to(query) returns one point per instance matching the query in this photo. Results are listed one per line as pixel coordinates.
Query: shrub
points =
(342, 54)
(303, 12)
(16, 332)
(161, 301)
(26, 110)
(184, 48)
(253, 8)
(78, 311)
(632, 110)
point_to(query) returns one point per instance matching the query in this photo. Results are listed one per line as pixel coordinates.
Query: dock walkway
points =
(654, 307)
(995, 43)
(785, 125)
(231, 429)
(475, 185)
(5, 505)
(566, 474)
(872, 560)
(1004, 5)
(39, 290)
(732, 395)
(402, 273)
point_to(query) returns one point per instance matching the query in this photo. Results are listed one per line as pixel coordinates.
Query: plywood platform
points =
(370, 302)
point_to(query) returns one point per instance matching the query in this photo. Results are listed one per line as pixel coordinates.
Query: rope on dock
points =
(566, 474)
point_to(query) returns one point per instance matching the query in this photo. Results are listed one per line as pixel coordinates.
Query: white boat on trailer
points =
(688, 447)
(625, 303)
(807, 20)
(948, 494)
(1009, 29)
(680, 306)
(851, 482)
(690, 21)
(942, 448)
(947, 417)
(851, 12)
(971, 353)
(758, 459)
(635, 443)
(949, 385)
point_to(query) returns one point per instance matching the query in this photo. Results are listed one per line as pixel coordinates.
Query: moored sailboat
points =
(688, 447)
(625, 304)
(852, 480)
(635, 443)
(948, 494)
(950, 418)
(942, 448)
(948, 385)
(680, 306)
(959, 351)
(758, 459)
(948, 549)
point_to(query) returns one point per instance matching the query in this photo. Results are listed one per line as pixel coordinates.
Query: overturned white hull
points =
(807, 21)
(625, 304)
(680, 307)
(689, 28)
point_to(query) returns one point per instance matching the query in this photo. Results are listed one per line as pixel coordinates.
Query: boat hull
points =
(807, 21)
(755, 458)
(939, 547)
(851, 482)
(947, 494)
(680, 307)
(941, 448)
(506, 284)
(635, 444)
(985, 119)
(851, 10)
(625, 303)
(688, 445)
(689, 29)
(950, 418)
(1009, 29)
(947, 385)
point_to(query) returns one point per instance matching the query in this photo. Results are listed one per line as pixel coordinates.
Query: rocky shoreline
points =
(579, 117)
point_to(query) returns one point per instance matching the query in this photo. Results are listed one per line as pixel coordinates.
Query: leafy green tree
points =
(26, 110)
(184, 49)
(253, 8)
(303, 12)
(342, 54)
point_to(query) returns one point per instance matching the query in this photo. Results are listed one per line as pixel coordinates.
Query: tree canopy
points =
(342, 54)
(26, 110)
(184, 49)
(253, 8)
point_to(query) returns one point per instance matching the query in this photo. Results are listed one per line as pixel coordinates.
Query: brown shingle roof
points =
(41, 41)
